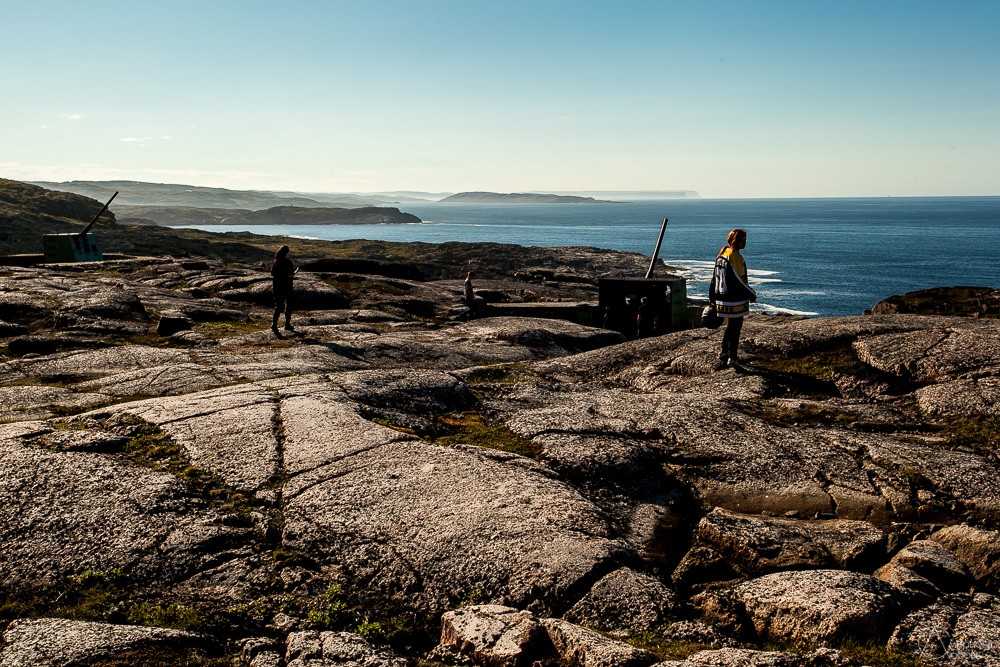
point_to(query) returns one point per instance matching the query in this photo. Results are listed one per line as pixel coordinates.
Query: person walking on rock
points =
(731, 295)
(283, 272)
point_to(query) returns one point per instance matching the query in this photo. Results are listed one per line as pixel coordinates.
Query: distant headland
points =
(519, 198)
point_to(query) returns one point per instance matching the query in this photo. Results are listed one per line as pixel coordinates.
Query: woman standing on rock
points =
(731, 295)
(283, 272)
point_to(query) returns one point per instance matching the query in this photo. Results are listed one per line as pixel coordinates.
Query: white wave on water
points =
(700, 271)
(768, 309)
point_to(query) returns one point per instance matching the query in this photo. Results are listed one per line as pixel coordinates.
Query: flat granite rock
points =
(743, 657)
(66, 512)
(934, 355)
(427, 523)
(974, 398)
(28, 402)
(59, 642)
(226, 431)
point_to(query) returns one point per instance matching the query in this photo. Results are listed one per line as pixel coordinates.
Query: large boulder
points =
(977, 549)
(728, 543)
(625, 601)
(576, 646)
(818, 606)
(493, 635)
(928, 560)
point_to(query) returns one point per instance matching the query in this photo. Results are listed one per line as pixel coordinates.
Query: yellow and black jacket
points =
(729, 290)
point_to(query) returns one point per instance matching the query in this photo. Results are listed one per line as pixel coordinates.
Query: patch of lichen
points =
(471, 428)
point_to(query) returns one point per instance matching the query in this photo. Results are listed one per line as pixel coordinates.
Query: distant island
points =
(518, 198)
(184, 216)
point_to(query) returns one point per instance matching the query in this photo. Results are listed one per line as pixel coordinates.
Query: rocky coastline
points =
(400, 483)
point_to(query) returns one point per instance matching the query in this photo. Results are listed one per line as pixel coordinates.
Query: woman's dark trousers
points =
(731, 340)
(282, 302)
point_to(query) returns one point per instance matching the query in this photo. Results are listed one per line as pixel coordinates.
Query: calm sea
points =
(811, 256)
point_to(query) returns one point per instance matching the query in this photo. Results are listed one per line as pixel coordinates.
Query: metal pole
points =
(656, 250)
(103, 209)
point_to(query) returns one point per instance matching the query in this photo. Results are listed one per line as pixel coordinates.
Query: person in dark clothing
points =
(731, 295)
(283, 272)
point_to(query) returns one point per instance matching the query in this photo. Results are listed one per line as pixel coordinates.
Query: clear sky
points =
(728, 98)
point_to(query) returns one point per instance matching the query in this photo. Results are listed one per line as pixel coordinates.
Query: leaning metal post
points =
(656, 250)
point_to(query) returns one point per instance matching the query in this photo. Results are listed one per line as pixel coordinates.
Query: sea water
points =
(806, 256)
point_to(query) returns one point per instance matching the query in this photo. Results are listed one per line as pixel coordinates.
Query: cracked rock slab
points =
(227, 431)
(977, 549)
(424, 523)
(65, 512)
(58, 642)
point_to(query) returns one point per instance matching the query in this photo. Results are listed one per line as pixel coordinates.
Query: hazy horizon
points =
(742, 100)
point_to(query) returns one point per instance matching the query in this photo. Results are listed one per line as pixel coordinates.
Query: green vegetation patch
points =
(471, 428)
(979, 434)
(150, 447)
(176, 616)
(379, 621)
(877, 655)
(666, 649)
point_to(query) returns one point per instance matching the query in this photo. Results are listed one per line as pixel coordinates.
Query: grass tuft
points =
(471, 429)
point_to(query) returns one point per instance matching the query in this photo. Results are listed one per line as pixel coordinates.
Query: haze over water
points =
(815, 256)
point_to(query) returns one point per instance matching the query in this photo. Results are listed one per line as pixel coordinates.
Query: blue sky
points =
(727, 98)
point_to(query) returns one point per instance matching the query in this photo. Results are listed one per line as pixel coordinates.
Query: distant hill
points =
(181, 216)
(173, 194)
(518, 198)
(633, 195)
